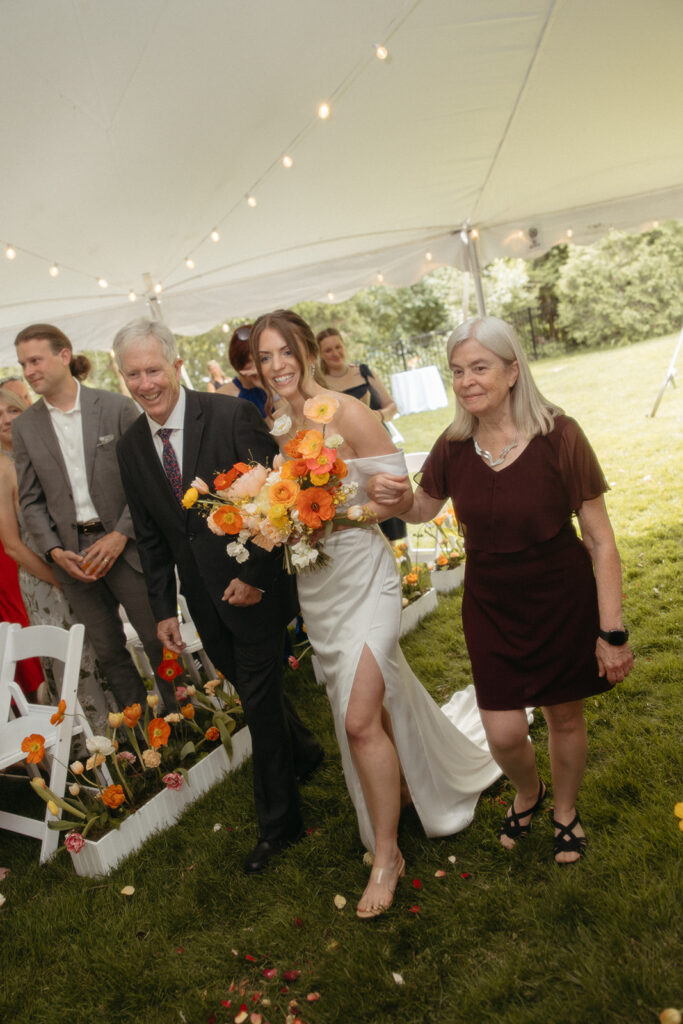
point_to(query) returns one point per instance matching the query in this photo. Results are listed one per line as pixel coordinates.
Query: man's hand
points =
(70, 561)
(100, 556)
(168, 631)
(241, 594)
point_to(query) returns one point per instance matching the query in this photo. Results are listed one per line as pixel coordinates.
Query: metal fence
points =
(410, 353)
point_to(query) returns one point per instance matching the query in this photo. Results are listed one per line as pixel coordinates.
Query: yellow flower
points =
(152, 700)
(52, 808)
(77, 767)
(321, 480)
(678, 809)
(115, 719)
(277, 514)
(320, 409)
(190, 496)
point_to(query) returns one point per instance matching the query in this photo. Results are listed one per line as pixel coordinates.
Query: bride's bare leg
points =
(406, 797)
(378, 768)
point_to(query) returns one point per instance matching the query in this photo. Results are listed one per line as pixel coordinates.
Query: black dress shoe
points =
(260, 856)
(304, 773)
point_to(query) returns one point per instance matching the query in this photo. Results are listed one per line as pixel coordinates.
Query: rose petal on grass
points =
(298, 922)
(313, 997)
(414, 910)
(226, 1002)
(180, 949)
(255, 1018)
(452, 859)
(241, 1017)
(255, 997)
(269, 973)
(417, 884)
(3, 899)
(128, 890)
(440, 873)
(339, 902)
(464, 874)
(670, 1016)
(4, 872)
(217, 827)
(291, 975)
(368, 859)
(250, 958)
(398, 978)
(678, 809)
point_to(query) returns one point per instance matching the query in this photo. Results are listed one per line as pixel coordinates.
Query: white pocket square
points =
(105, 439)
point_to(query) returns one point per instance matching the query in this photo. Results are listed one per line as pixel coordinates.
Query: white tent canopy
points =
(131, 130)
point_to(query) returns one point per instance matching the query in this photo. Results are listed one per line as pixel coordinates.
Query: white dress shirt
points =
(68, 427)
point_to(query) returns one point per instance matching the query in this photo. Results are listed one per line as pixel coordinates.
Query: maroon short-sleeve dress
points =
(529, 610)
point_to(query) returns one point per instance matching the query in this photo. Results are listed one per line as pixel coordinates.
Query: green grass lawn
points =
(502, 937)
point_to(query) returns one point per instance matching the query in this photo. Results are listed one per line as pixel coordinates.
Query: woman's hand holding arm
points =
(9, 529)
(598, 536)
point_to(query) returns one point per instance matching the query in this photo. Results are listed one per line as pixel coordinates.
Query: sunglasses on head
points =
(242, 333)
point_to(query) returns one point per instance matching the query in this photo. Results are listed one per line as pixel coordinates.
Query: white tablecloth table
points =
(418, 390)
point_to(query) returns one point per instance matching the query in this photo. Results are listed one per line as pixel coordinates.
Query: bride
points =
(396, 744)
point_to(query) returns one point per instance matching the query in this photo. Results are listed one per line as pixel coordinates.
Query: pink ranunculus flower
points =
(127, 756)
(199, 485)
(249, 485)
(173, 780)
(74, 842)
(180, 692)
(293, 662)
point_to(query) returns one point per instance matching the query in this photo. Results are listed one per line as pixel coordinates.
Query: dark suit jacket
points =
(218, 431)
(45, 494)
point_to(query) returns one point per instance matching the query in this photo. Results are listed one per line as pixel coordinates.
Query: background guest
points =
(541, 609)
(216, 376)
(245, 384)
(18, 386)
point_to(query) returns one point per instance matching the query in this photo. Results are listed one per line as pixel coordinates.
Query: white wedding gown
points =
(356, 600)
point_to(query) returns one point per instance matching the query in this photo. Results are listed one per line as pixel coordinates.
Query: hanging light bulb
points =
(189, 262)
(380, 276)
(570, 233)
(157, 288)
(330, 296)
(225, 329)
(655, 223)
(428, 257)
(215, 237)
(251, 201)
(381, 51)
(132, 296)
(102, 282)
(474, 233)
(54, 270)
(10, 253)
(287, 161)
(323, 111)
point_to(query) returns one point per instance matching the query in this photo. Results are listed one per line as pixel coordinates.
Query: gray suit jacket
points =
(45, 494)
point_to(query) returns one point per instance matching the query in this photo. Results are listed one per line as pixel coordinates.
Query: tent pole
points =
(669, 377)
(156, 313)
(475, 271)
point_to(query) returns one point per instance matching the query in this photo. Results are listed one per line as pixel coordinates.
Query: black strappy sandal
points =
(511, 826)
(566, 841)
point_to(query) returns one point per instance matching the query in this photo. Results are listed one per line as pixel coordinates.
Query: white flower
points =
(431, 566)
(398, 978)
(273, 478)
(355, 513)
(282, 425)
(243, 536)
(303, 555)
(334, 441)
(2, 899)
(100, 745)
(237, 551)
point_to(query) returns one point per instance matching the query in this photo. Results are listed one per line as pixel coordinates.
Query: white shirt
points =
(176, 424)
(68, 427)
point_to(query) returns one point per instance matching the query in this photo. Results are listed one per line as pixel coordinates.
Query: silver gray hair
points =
(138, 331)
(532, 413)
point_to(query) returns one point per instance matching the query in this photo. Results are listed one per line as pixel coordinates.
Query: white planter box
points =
(445, 580)
(412, 613)
(99, 857)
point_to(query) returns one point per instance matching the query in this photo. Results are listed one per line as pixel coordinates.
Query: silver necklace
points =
(501, 458)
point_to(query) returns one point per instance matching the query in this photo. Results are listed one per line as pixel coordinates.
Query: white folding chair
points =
(19, 718)
(193, 644)
(134, 646)
(414, 462)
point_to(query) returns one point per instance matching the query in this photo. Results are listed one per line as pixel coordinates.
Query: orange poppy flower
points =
(293, 469)
(339, 469)
(169, 655)
(292, 447)
(131, 715)
(410, 578)
(34, 747)
(187, 711)
(113, 796)
(284, 492)
(314, 506)
(168, 669)
(158, 731)
(59, 713)
(223, 481)
(442, 560)
(228, 518)
(320, 409)
(311, 444)
(212, 733)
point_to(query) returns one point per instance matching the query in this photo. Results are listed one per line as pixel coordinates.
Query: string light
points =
(251, 201)
(215, 237)
(189, 262)
(474, 233)
(132, 296)
(381, 51)
(225, 328)
(330, 296)
(54, 270)
(428, 257)
(380, 276)
(570, 233)
(10, 253)
(102, 282)
(323, 111)
(655, 223)
(287, 161)
(158, 289)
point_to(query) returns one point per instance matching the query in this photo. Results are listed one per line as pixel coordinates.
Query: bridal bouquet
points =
(294, 504)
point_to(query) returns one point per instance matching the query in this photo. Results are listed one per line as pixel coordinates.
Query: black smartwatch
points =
(615, 637)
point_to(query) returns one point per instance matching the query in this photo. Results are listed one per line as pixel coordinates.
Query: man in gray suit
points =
(73, 503)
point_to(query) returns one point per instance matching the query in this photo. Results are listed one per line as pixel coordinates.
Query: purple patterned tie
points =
(170, 463)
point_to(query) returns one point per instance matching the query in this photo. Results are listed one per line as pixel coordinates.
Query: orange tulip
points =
(158, 731)
(187, 711)
(212, 733)
(59, 713)
(442, 560)
(34, 747)
(113, 796)
(131, 715)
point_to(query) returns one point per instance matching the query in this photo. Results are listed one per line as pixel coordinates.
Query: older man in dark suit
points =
(73, 503)
(240, 609)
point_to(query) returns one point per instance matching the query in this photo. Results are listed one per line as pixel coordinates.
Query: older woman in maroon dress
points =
(541, 609)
